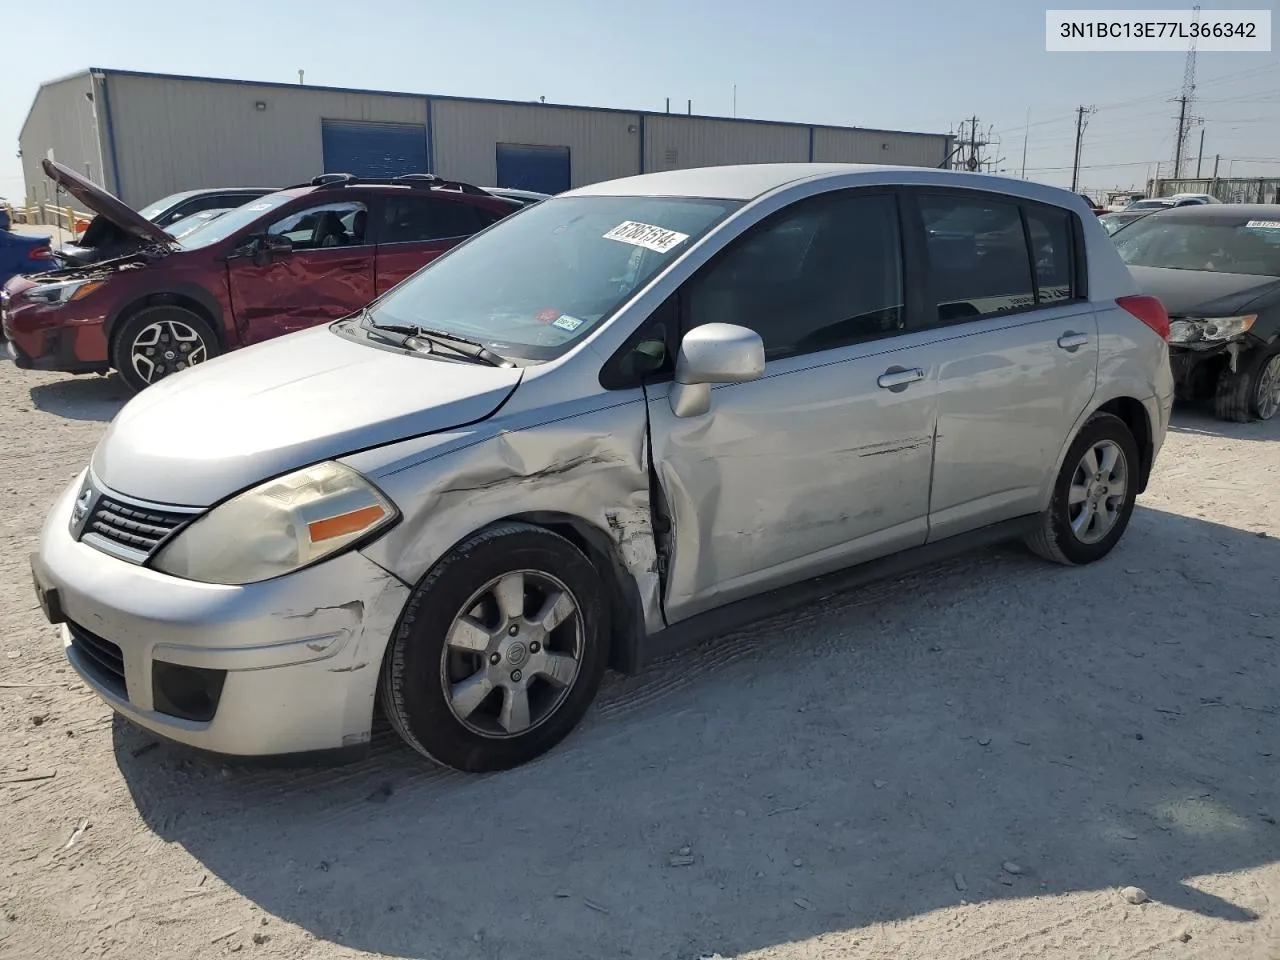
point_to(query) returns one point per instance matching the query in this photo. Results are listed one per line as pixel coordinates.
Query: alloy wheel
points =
(512, 654)
(1267, 397)
(165, 347)
(1096, 496)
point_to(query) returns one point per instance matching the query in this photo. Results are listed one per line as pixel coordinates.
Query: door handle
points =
(897, 377)
(1072, 341)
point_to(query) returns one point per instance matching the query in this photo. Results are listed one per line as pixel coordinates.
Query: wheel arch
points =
(624, 617)
(1135, 416)
(195, 299)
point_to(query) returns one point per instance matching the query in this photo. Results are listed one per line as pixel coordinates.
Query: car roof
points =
(749, 181)
(308, 189)
(1223, 212)
(204, 191)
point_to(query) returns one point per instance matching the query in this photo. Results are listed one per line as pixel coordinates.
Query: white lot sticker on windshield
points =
(646, 235)
(1264, 224)
(260, 206)
(567, 322)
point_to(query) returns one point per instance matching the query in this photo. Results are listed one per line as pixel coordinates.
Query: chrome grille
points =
(130, 529)
(131, 526)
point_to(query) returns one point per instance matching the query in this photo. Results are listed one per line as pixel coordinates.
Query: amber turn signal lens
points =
(344, 523)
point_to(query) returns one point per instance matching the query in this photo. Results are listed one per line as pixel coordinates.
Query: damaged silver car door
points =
(820, 458)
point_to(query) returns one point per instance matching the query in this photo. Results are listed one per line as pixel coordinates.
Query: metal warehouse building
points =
(146, 135)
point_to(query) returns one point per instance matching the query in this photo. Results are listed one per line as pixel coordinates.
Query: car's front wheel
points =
(158, 341)
(499, 652)
(1093, 495)
(1253, 391)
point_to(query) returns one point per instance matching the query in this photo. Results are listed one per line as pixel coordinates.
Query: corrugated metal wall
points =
(180, 134)
(874, 146)
(602, 145)
(673, 142)
(61, 120)
(177, 133)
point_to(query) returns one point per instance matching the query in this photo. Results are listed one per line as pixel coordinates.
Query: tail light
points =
(1150, 311)
(40, 253)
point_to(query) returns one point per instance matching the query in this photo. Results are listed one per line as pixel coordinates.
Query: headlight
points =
(62, 292)
(1212, 329)
(279, 526)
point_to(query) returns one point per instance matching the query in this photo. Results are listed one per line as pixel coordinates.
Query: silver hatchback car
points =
(631, 415)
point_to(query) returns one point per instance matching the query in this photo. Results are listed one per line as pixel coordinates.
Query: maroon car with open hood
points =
(289, 260)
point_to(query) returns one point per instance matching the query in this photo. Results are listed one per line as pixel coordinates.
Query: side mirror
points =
(713, 353)
(267, 248)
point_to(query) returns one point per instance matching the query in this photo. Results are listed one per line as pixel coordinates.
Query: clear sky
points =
(897, 64)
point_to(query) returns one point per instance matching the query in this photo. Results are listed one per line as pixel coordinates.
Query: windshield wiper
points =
(470, 349)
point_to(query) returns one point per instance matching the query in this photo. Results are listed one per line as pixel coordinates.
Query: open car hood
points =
(104, 204)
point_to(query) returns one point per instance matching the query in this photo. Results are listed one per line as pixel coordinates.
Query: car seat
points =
(329, 231)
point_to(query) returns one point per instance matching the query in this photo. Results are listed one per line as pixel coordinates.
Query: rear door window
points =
(1052, 248)
(424, 219)
(978, 257)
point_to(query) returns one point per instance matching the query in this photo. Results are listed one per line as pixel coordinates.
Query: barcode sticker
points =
(646, 235)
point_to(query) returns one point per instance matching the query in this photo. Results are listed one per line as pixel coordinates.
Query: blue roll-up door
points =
(374, 149)
(526, 167)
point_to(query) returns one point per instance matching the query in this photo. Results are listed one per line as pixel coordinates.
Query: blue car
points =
(21, 253)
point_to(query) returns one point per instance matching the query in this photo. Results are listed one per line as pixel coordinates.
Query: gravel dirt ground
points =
(846, 782)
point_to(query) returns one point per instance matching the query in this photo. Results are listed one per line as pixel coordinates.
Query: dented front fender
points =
(589, 466)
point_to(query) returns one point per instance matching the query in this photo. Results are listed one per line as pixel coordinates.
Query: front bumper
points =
(1196, 365)
(48, 337)
(296, 659)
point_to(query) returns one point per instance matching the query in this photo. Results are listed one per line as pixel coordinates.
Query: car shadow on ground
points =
(81, 398)
(856, 762)
(1199, 419)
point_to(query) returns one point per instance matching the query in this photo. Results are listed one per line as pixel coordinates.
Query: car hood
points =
(104, 204)
(1203, 293)
(204, 434)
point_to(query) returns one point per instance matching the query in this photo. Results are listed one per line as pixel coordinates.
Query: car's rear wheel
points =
(1252, 392)
(158, 341)
(1093, 495)
(499, 652)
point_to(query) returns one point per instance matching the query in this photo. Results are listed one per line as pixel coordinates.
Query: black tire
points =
(172, 326)
(1054, 539)
(1237, 397)
(412, 681)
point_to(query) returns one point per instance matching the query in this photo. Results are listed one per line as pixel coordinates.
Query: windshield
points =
(536, 283)
(232, 221)
(188, 225)
(153, 210)
(1179, 242)
(1149, 204)
(1114, 221)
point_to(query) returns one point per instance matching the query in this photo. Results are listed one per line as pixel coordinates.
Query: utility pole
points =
(1216, 158)
(1081, 123)
(1180, 140)
(1200, 157)
(1025, 133)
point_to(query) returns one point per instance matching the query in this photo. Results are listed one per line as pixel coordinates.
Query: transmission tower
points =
(1185, 101)
(968, 151)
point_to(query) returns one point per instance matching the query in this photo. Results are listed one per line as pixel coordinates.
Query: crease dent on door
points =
(592, 468)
